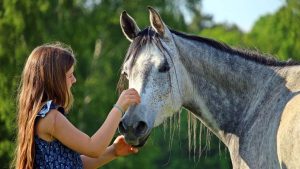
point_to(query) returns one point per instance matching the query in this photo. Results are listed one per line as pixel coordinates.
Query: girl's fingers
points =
(133, 101)
(132, 91)
(134, 150)
(133, 97)
(130, 95)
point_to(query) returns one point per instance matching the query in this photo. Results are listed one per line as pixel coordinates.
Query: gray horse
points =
(248, 101)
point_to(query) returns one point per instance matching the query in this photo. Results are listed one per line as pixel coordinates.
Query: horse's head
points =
(150, 68)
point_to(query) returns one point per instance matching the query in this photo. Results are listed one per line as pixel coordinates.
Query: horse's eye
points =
(164, 68)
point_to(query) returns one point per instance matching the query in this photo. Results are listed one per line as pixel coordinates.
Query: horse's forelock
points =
(143, 38)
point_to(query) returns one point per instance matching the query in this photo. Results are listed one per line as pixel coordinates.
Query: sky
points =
(243, 13)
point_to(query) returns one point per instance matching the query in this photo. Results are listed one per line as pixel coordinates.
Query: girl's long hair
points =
(43, 78)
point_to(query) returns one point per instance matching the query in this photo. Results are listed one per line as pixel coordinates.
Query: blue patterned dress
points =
(54, 155)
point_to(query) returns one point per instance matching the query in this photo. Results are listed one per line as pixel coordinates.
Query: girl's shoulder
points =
(45, 121)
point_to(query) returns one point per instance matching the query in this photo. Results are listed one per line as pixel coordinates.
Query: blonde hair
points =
(43, 78)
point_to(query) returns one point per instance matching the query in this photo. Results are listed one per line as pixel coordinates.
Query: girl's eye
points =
(70, 75)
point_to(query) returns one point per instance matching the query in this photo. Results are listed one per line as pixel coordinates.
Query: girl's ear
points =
(129, 26)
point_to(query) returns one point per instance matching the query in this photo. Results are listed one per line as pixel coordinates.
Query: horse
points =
(249, 101)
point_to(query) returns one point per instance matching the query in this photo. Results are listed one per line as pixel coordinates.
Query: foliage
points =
(229, 34)
(278, 33)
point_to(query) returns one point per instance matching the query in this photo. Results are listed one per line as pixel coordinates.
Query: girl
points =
(46, 139)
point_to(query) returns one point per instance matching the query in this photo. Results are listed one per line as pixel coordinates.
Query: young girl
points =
(46, 138)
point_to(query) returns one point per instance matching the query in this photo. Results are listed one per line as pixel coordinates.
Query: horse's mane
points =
(246, 54)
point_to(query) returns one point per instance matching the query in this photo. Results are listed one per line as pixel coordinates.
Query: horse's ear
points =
(129, 26)
(156, 22)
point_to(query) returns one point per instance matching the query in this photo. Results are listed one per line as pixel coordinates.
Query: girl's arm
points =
(58, 126)
(118, 148)
(94, 146)
(91, 163)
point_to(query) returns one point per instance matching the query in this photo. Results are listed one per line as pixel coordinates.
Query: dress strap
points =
(46, 108)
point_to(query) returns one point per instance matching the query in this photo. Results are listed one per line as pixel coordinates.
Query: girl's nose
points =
(74, 79)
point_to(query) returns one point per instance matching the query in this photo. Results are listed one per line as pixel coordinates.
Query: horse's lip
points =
(142, 141)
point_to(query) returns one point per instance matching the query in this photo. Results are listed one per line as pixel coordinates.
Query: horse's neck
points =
(239, 99)
(222, 86)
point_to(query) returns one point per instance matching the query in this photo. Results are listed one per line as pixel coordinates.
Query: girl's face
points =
(70, 77)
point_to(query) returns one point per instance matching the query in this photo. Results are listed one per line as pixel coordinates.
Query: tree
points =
(279, 34)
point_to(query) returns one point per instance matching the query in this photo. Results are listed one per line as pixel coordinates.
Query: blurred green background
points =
(91, 28)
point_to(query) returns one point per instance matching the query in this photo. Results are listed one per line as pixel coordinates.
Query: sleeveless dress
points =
(54, 155)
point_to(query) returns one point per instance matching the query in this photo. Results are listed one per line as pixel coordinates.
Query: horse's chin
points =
(140, 142)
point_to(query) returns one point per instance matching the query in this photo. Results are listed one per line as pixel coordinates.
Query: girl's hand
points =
(127, 98)
(122, 148)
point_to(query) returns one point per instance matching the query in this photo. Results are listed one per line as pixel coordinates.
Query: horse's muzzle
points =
(136, 134)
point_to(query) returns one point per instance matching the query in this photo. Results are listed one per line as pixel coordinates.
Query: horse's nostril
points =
(141, 128)
(122, 128)
(138, 129)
